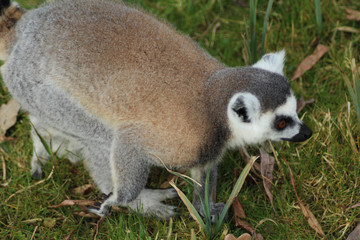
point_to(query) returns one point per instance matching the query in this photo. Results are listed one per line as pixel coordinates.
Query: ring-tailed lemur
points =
(123, 89)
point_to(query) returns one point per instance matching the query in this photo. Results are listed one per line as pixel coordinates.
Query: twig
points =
(37, 183)
(246, 156)
(4, 168)
(70, 234)
(98, 224)
(33, 235)
(176, 173)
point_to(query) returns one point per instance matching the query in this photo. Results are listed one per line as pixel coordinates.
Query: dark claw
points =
(97, 204)
(107, 210)
(213, 218)
(92, 208)
(215, 211)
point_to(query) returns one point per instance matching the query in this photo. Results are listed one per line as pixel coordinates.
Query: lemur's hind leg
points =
(59, 142)
(129, 168)
(40, 155)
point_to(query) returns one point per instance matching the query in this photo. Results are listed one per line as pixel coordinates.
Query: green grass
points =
(326, 168)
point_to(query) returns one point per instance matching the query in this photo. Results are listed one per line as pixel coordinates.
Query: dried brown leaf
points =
(301, 103)
(309, 216)
(240, 215)
(355, 235)
(352, 14)
(356, 205)
(267, 168)
(166, 184)
(246, 156)
(86, 214)
(3, 138)
(34, 220)
(247, 226)
(8, 113)
(348, 29)
(230, 237)
(310, 61)
(238, 209)
(244, 236)
(82, 190)
(70, 202)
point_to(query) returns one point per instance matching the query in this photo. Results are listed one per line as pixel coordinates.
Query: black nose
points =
(304, 134)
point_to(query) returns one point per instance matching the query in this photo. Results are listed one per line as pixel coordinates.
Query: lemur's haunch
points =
(122, 89)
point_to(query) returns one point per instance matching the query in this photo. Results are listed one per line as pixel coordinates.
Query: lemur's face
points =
(286, 125)
(249, 124)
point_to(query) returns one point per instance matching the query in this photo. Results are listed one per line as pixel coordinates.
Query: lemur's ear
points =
(273, 62)
(245, 106)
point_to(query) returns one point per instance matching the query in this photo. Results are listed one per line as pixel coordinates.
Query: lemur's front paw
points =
(101, 209)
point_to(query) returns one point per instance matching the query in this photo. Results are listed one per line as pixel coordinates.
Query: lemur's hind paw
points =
(216, 211)
(163, 211)
(37, 174)
(150, 203)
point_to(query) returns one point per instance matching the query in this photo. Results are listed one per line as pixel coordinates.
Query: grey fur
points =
(253, 80)
(121, 89)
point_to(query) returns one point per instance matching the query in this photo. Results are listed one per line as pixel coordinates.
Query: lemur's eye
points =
(281, 124)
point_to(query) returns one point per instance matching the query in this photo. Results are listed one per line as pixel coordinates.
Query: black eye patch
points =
(281, 122)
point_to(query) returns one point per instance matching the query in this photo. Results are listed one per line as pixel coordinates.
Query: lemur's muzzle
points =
(304, 134)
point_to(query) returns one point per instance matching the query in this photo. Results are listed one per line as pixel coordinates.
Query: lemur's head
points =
(264, 108)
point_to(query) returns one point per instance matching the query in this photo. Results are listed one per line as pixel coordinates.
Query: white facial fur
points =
(273, 62)
(261, 126)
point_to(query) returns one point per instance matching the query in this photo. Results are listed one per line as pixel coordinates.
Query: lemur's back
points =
(121, 65)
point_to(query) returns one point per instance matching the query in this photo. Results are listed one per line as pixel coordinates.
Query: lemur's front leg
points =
(199, 174)
(129, 167)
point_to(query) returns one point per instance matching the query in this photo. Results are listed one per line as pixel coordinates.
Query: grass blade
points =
(252, 44)
(183, 176)
(354, 89)
(189, 206)
(318, 15)
(206, 204)
(266, 19)
(235, 192)
(43, 142)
